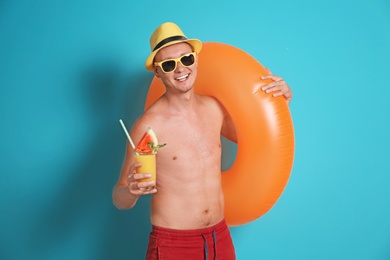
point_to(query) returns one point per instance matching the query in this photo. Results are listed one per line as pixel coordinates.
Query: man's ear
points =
(156, 73)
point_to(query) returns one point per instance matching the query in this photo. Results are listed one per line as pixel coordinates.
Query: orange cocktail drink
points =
(145, 153)
(148, 165)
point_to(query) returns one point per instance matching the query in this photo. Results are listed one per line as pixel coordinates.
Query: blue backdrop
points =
(70, 69)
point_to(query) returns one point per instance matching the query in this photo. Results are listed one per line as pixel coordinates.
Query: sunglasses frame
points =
(159, 64)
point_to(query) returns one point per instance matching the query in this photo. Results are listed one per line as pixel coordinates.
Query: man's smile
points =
(182, 78)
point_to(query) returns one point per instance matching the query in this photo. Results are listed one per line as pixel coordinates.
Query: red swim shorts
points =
(209, 243)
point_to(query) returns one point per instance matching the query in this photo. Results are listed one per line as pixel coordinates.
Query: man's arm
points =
(121, 196)
(128, 188)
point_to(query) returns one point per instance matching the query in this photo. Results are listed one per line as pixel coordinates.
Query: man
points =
(187, 211)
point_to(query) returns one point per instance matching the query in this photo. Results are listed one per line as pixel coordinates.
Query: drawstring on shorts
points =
(206, 248)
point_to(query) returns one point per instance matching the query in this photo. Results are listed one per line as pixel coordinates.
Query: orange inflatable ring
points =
(265, 137)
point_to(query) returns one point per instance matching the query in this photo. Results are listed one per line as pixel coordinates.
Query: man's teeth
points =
(182, 77)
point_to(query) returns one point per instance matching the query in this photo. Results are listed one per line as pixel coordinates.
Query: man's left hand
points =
(278, 87)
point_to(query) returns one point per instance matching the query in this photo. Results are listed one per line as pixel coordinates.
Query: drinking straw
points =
(127, 133)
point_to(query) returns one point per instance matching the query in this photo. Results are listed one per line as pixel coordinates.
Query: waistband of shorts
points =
(167, 232)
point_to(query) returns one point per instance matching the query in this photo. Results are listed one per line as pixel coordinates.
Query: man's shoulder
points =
(210, 102)
(207, 100)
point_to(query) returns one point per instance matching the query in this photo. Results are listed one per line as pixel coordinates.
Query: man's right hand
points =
(138, 187)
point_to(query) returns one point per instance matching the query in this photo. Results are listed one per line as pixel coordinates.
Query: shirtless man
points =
(187, 208)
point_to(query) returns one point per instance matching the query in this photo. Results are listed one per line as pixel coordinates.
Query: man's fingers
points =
(271, 76)
(276, 85)
(278, 94)
(140, 176)
(271, 87)
(142, 188)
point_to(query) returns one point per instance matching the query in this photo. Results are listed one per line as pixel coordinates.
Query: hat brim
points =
(195, 43)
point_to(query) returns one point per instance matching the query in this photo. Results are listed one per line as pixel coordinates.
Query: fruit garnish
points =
(155, 147)
(148, 143)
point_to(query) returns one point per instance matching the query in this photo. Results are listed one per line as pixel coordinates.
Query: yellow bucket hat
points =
(165, 35)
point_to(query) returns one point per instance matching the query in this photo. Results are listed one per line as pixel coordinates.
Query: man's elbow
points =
(118, 201)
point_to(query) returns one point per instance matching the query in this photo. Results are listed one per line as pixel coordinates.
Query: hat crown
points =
(163, 32)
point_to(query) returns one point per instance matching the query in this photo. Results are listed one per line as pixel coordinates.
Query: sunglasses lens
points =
(168, 65)
(188, 60)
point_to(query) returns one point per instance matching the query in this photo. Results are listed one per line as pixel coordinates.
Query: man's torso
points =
(189, 193)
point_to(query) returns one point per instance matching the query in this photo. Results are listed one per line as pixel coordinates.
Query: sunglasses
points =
(169, 65)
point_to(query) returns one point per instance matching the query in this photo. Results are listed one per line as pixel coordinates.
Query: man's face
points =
(182, 78)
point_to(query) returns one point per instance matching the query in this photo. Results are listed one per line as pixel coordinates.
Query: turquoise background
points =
(70, 69)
